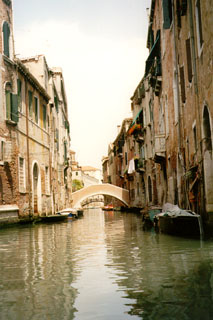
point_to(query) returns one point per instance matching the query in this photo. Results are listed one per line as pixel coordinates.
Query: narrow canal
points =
(103, 266)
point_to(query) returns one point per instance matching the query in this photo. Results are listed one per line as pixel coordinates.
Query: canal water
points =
(103, 267)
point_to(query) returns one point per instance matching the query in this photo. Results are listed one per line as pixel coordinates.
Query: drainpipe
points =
(28, 152)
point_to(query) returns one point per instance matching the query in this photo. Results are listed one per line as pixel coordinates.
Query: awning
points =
(134, 124)
(135, 119)
(153, 53)
(134, 127)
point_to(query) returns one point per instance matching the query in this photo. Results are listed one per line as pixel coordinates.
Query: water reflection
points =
(168, 277)
(103, 266)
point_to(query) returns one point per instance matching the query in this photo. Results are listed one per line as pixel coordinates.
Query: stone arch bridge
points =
(100, 189)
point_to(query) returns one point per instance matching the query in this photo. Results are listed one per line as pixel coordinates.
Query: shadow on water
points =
(168, 277)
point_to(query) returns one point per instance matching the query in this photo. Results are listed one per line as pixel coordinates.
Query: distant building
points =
(87, 176)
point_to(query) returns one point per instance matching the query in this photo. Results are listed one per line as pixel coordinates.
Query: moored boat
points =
(175, 221)
(54, 217)
(108, 207)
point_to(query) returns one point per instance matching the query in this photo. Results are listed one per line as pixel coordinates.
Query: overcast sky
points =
(101, 47)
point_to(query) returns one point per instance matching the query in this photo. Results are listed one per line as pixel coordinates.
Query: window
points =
(6, 39)
(65, 177)
(65, 151)
(47, 184)
(11, 104)
(56, 101)
(57, 139)
(44, 112)
(150, 111)
(150, 189)
(138, 189)
(126, 159)
(195, 137)
(167, 13)
(30, 103)
(207, 130)
(182, 84)
(189, 59)
(22, 174)
(2, 150)
(199, 26)
(19, 94)
(36, 109)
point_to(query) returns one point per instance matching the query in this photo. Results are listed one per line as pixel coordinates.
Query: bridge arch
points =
(104, 189)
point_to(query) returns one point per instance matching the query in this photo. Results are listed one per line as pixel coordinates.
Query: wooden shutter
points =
(14, 108)
(36, 109)
(30, 100)
(21, 174)
(189, 59)
(166, 14)
(44, 116)
(8, 104)
(6, 33)
(19, 91)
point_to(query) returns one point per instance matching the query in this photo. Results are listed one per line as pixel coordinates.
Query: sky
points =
(101, 47)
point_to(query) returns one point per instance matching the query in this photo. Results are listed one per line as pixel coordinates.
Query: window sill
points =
(10, 122)
(23, 191)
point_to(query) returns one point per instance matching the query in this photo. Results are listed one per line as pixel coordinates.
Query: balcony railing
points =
(140, 165)
(160, 143)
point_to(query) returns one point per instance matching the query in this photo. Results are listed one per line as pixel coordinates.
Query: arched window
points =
(207, 129)
(6, 39)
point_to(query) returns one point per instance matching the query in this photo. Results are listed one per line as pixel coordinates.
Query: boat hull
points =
(180, 225)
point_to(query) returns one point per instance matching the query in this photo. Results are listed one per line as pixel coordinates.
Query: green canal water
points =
(103, 266)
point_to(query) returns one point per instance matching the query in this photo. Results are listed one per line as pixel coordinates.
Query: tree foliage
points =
(77, 185)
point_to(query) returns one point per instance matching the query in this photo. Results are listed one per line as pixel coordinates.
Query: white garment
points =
(131, 168)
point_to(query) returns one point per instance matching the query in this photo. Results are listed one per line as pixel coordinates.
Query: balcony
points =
(140, 165)
(139, 137)
(160, 148)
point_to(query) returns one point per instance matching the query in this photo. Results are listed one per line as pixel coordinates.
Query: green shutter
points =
(6, 33)
(8, 104)
(65, 151)
(19, 91)
(166, 14)
(14, 108)
(44, 116)
(30, 101)
(56, 103)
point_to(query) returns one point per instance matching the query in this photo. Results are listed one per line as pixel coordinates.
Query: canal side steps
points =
(9, 214)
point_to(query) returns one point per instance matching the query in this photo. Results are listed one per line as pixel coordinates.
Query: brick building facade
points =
(173, 109)
(35, 176)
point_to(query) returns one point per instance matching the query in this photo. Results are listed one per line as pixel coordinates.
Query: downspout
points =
(28, 152)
